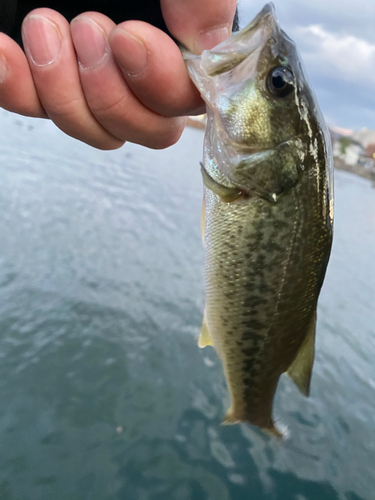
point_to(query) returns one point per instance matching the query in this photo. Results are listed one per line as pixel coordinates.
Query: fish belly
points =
(264, 269)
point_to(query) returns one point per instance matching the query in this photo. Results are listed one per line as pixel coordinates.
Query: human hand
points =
(129, 82)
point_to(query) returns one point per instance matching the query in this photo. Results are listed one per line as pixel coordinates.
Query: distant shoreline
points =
(200, 123)
(354, 169)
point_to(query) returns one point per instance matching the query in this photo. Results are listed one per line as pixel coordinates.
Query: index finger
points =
(199, 24)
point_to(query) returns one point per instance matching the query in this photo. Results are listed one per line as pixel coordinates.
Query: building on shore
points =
(353, 155)
(352, 151)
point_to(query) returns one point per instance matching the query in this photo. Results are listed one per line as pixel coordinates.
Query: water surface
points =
(104, 393)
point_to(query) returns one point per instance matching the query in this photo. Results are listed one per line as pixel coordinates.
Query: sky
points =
(336, 39)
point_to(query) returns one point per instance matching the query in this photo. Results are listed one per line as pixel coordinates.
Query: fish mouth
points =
(268, 11)
(266, 17)
(231, 52)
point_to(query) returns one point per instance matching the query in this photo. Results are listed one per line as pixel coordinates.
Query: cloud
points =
(337, 44)
(337, 55)
(344, 16)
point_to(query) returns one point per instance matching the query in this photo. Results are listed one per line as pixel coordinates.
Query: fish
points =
(267, 216)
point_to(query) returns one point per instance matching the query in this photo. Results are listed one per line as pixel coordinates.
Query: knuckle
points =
(168, 137)
(101, 107)
(64, 108)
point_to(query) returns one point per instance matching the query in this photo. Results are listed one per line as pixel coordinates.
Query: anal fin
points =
(301, 368)
(205, 336)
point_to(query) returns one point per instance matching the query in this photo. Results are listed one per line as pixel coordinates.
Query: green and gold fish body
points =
(268, 213)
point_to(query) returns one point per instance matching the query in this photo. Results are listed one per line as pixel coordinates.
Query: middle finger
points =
(110, 99)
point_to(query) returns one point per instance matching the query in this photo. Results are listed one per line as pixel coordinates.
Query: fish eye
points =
(280, 81)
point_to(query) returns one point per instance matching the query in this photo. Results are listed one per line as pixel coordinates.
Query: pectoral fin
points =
(226, 193)
(301, 368)
(203, 219)
(205, 337)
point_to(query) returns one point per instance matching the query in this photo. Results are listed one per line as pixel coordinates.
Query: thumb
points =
(199, 24)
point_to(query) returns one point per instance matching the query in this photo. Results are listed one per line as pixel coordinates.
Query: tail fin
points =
(229, 418)
(276, 432)
(279, 431)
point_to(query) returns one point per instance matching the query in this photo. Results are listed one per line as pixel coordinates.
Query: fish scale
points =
(267, 214)
(243, 286)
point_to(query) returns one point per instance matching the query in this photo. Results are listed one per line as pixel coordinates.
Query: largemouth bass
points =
(267, 214)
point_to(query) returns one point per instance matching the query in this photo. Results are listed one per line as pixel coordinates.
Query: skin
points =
(105, 84)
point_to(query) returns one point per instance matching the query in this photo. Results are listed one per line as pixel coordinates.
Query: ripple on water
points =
(101, 296)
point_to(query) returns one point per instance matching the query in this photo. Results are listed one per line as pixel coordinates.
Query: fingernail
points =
(133, 59)
(3, 69)
(89, 41)
(209, 39)
(41, 39)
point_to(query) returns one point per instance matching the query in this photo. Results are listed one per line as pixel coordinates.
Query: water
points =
(104, 393)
